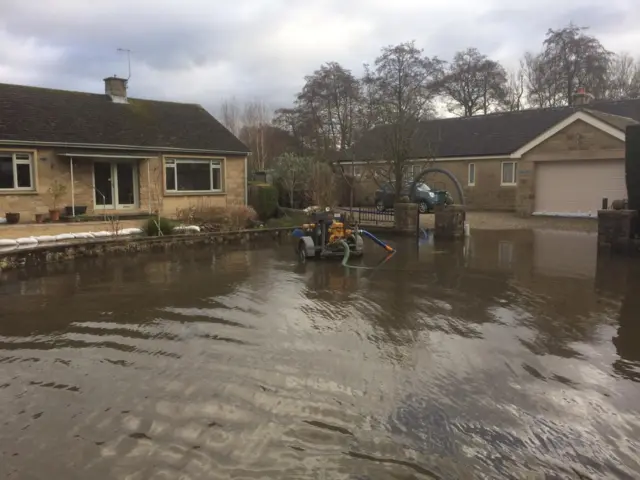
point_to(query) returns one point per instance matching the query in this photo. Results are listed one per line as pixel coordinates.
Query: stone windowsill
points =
(194, 194)
(19, 192)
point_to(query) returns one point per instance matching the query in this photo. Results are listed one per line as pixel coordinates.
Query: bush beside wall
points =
(153, 226)
(263, 198)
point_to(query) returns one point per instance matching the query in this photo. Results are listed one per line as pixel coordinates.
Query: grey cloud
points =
(215, 50)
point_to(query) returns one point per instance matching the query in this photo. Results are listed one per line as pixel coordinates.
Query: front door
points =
(116, 185)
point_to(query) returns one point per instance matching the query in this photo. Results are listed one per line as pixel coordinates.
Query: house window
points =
(509, 176)
(193, 175)
(16, 171)
(471, 174)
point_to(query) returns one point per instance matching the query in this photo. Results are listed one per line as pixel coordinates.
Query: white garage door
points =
(577, 188)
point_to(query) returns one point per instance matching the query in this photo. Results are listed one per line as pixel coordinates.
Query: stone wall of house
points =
(578, 141)
(49, 167)
(486, 194)
(169, 204)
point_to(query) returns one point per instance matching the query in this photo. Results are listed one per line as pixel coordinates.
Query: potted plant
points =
(56, 190)
(12, 218)
(39, 217)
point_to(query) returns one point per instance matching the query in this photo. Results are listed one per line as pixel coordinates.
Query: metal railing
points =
(371, 216)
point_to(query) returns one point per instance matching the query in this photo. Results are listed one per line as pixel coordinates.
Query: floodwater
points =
(509, 355)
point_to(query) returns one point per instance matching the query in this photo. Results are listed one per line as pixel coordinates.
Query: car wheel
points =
(380, 206)
(423, 207)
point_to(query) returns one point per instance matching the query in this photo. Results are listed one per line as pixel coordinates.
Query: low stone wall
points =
(37, 229)
(44, 254)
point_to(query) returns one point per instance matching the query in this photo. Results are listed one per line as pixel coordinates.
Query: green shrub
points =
(153, 226)
(264, 199)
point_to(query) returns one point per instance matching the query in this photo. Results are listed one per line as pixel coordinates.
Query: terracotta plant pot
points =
(54, 215)
(12, 218)
(39, 217)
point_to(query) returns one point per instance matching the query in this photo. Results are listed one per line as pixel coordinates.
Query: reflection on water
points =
(508, 354)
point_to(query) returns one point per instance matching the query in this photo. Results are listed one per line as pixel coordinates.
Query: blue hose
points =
(375, 239)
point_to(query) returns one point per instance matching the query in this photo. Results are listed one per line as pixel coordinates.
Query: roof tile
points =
(493, 134)
(61, 116)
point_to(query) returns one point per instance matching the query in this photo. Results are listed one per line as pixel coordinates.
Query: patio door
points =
(115, 185)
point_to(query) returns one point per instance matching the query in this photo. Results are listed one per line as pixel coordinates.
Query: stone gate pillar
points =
(406, 218)
(450, 222)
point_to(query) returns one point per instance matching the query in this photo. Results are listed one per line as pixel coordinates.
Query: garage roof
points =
(494, 134)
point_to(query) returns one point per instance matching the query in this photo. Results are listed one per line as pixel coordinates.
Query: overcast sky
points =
(206, 50)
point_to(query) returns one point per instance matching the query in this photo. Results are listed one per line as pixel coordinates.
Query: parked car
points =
(426, 198)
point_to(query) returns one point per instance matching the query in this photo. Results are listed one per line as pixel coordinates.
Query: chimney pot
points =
(116, 88)
(581, 97)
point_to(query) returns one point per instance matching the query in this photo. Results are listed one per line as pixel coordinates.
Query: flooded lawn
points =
(508, 354)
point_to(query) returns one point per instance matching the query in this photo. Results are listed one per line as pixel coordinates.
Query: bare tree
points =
(623, 78)
(292, 121)
(544, 84)
(515, 90)
(404, 83)
(473, 83)
(570, 59)
(331, 96)
(581, 59)
(256, 120)
(230, 114)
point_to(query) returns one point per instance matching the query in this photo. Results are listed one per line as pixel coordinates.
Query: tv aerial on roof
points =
(128, 52)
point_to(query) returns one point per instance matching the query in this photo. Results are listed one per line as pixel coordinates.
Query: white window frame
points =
(214, 163)
(20, 161)
(470, 182)
(515, 174)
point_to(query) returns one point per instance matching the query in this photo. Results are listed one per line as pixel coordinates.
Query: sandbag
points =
(45, 239)
(26, 241)
(64, 236)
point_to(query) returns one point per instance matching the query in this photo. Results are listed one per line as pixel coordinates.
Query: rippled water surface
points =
(505, 356)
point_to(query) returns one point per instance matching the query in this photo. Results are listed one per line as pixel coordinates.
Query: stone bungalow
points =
(553, 161)
(114, 154)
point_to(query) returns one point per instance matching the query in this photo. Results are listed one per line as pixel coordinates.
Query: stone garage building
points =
(113, 154)
(554, 161)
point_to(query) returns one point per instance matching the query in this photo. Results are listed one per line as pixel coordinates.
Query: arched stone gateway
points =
(444, 171)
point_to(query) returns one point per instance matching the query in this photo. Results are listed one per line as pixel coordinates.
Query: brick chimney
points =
(116, 88)
(581, 97)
